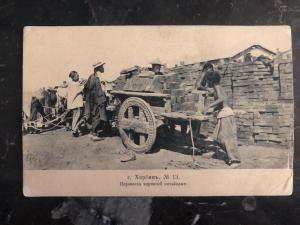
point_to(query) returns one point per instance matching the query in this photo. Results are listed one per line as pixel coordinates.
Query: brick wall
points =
(265, 95)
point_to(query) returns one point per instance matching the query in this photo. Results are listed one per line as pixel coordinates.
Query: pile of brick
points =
(180, 83)
(183, 77)
(190, 102)
(257, 90)
(266, 95)
(120, 82)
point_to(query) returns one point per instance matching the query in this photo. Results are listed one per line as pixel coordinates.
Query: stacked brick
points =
(120, 82)
(183, 77)
(257, 90)
(265, 95)
(286, 79)
(188, 102)
(180, 83)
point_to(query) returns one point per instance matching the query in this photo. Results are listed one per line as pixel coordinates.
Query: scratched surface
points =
(15, 209)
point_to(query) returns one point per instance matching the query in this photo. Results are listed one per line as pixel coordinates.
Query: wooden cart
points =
(141, 113)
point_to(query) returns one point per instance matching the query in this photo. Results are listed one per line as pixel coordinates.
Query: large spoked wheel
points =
(137, 125)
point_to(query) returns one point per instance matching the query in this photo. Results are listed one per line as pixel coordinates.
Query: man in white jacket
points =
(75, 101)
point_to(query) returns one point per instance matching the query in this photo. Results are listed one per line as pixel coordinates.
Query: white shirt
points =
(72, 90)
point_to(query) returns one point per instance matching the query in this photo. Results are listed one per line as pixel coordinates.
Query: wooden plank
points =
(183, 116)
(141, 94)
(134, 125)
(157, 109)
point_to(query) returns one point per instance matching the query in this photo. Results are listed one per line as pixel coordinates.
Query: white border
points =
(228, 182)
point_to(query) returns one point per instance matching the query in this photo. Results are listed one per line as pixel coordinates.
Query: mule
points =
(46, 102)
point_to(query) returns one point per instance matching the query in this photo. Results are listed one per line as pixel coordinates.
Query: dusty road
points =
(59, 150)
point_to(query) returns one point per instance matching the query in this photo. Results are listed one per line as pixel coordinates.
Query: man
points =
(248, 58)
(225, 133)
(61, 104)
(156, 67)
(201, 82)
(95, 102)
(74, 101)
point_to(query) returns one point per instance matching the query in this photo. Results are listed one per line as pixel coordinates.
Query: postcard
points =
(158, 111)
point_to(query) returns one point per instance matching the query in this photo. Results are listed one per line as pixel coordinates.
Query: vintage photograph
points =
(188, 98)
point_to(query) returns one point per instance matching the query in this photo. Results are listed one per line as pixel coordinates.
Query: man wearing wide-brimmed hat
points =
(156, 67)
(95, 102)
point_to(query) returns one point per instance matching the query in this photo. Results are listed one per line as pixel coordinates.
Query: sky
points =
(50, 53)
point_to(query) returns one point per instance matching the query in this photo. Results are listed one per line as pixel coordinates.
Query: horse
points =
(45, 102)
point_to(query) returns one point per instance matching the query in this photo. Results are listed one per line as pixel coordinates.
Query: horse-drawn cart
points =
(47, 112)
(147, 102)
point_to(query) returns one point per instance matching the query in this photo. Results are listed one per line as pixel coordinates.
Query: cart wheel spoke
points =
(130, 116)
(143, 119)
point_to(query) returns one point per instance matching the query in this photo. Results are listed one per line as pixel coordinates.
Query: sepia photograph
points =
(153, 110)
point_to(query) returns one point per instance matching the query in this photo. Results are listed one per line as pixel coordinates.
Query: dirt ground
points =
(60, 150)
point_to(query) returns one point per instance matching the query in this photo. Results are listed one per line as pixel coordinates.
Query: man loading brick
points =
(201, 82)
(225, 133)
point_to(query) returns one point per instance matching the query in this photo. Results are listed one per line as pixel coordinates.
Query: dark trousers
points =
(99, 119)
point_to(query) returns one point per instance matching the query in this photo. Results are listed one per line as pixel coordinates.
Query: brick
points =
(255, 90)
(188, 106)
(259, 129)
(261, 137)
